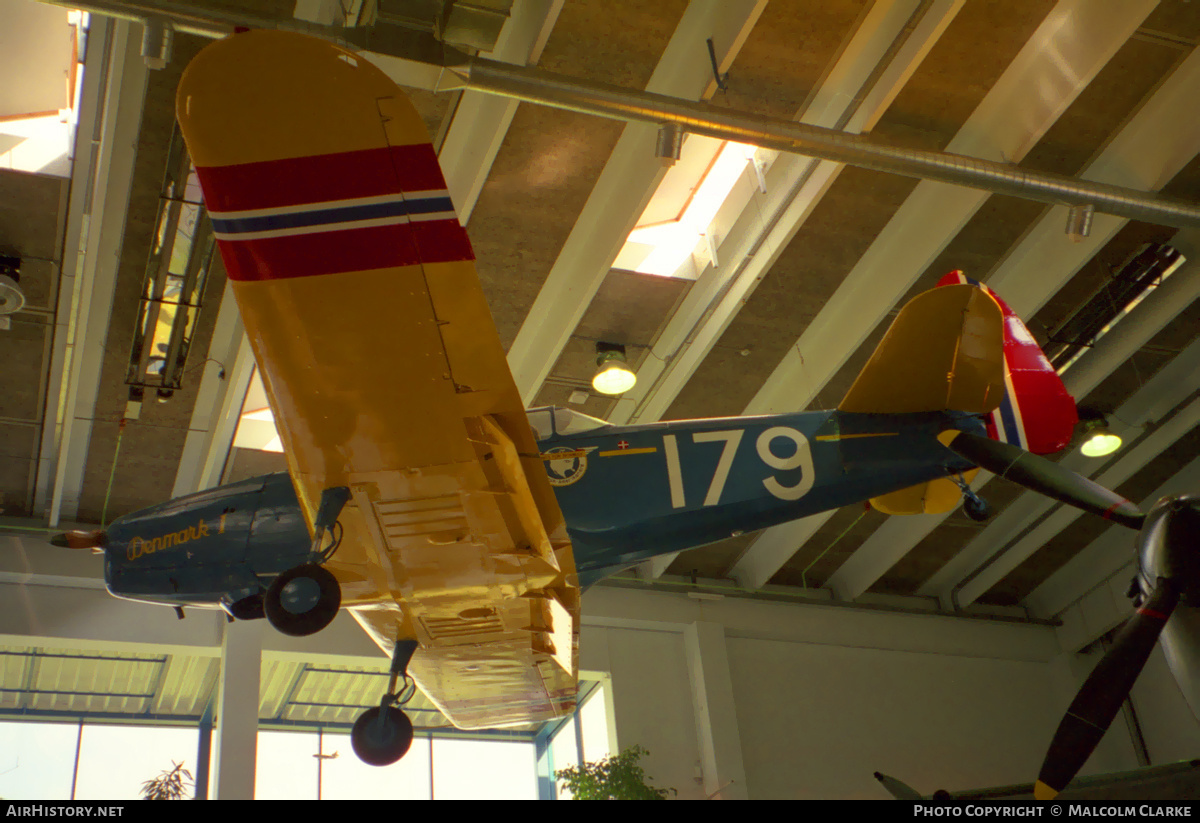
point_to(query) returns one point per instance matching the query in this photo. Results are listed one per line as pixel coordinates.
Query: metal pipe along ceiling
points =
(536, 86)
(541, 87)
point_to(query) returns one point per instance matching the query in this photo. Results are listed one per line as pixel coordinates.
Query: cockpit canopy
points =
(555, 421)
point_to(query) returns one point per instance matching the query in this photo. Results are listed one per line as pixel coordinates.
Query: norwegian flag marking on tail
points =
(1037, 414)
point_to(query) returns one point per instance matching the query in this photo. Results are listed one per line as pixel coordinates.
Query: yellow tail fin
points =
(945, 350)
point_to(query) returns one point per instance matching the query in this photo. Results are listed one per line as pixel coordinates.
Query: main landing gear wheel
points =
(382, 735)
(303, 600)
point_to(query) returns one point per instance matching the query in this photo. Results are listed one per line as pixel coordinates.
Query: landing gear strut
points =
(305, 599)
(974, 506)
(383, 735)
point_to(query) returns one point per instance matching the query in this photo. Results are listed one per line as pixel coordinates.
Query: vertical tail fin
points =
(1037, 414)
(961, 347)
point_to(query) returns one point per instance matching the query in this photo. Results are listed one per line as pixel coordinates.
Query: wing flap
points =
(492, 667)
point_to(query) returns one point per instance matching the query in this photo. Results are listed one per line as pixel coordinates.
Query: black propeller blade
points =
(1043, 476)
(96, 540)
(898, 788)
(1104, 691)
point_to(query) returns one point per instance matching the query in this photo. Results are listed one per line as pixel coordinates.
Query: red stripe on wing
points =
(297, 180)
(331, 252)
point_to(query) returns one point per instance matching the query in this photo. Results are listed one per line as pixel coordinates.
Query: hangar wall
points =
(818, 697)
(744, 697)
(1167, 726)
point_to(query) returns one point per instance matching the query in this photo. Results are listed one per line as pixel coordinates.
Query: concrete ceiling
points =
(809, 271)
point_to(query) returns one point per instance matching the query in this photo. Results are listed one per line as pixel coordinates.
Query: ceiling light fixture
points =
(613, 375)
(1099, 439)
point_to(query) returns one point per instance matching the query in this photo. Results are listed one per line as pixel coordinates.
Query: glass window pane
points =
(114, 761)
(37, 760)
(285, 768)
(348, 778)
(564, 753)
(483, 770)
(593, 719)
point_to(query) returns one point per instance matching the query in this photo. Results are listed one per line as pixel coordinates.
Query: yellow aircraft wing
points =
(358, 291)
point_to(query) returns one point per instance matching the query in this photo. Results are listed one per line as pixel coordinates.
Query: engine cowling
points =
(218, 547)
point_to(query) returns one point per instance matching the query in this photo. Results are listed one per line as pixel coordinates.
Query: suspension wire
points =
(112, 474)
(836, 540)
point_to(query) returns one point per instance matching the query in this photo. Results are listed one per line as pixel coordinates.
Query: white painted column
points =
(236, 745)
(716, 718)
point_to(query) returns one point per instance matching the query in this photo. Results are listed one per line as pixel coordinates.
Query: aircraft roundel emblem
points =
(566, 466)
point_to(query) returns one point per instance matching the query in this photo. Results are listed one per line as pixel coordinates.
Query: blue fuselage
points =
(627, 493)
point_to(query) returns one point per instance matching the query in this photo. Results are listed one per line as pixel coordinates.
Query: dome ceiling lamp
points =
(613, 375)
(1098, 439)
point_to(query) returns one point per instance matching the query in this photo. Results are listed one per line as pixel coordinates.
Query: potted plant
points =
(613, 778)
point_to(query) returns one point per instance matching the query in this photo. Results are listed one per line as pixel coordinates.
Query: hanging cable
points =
(112, 474)
(836, 540)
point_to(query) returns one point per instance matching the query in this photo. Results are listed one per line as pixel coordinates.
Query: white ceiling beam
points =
(1151, 149)
(623, 189)
(1061, 59)
(895, 538)
(1159, 308)
(101, 238)
(1153, 402)
(1070, 47)
(480, 121)
(887, 545)
(794, 185)
(774, 547)
(88, 131)
(321, 12)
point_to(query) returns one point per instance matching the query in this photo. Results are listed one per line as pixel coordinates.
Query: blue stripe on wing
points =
(328, 216)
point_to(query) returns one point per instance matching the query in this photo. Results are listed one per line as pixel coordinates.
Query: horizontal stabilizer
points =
(945, 350)
(935, 497)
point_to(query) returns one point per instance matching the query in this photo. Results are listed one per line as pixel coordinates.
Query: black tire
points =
(977, 509)
(248, 608)
(381, 743)
(282, 612)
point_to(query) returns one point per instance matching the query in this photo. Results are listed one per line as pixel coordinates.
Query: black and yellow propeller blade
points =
(1043, 476)
(1107, 687)
(898, 788)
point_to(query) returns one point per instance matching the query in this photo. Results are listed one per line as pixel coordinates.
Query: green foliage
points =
(170, 785)
(613, 778)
